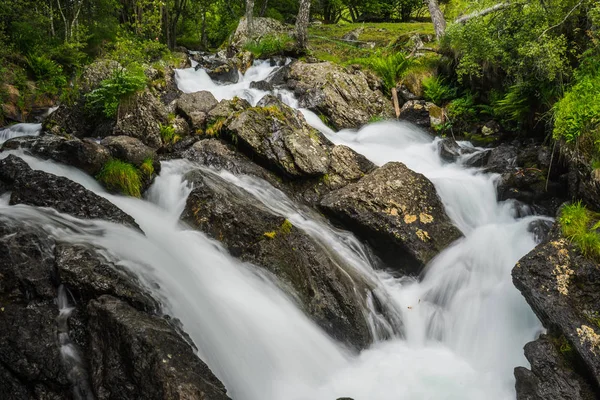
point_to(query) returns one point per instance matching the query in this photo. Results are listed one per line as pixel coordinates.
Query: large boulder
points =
(194, 107)
(421, 113)
(327, 290)
(142, 119)
(280, 137)
(261, 27)
(128, 149)
(562, 287)
(85, 154)
(346, 97)
(398, 212)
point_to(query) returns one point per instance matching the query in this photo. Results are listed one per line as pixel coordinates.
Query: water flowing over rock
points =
(398, 212)
(563, 288)
(254, 234)
(347, 98)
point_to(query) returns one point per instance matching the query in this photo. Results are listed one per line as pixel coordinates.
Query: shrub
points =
(463, 109)
(46, 70)
(269, 45)
(167, 133)
(128, 49)
(581, 225)
(513, 106)
(122, 177)
(107, 97)
(390, 68)
(436, 90)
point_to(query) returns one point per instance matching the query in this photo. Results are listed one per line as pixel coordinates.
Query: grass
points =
(122, 177)
(214, 129)
(269, 46)
(167, 133)
(581, 225)
(147, 167)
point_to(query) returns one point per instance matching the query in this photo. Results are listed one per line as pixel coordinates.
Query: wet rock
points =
(353, 35)
(421, 113)
(75, 121)
(40, 189)
(451, 151)
(142, 119)
(280, 137)
(552, 375)
(86, 154)
(502, 158)
(330, 296)
(405, 94)
(128, 149)
(142, 356)
(262, 85)
(194, 107)
(478, 159)
(397, 211)
(583, 179)
(563, 288)
(348, 98)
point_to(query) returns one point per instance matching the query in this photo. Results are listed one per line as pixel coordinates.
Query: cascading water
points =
(16, 130)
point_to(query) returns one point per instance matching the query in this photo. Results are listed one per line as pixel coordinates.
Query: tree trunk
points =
(203, 37)
(439, 22)
(263, 9)
(249, 17)
(302, 24)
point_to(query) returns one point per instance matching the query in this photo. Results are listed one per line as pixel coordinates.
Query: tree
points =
(439, 22)
(249, 17)
(302, 24)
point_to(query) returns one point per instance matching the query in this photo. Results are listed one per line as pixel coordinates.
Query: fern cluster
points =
(122, 84)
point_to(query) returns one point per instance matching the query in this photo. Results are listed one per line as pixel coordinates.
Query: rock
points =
(331, 297)
(262, 85)
(353, 35)
(502, 158)
(142, 356)
(243, 61)
(421, 113)
(96, 72)
(142, 119)
(478, 159)
(347, 97)
(280, 137)
(405, 94)
(194, 107)
(451, 151)
(225, 109)
(40, 189)
(129, 149)
(75, 121)
(552, 375)
(491, 128)
(85, 154)
(583, 180)
(397, 211)
(261, 27)
(563, 289)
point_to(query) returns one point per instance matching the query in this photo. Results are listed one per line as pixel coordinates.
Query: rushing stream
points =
(463, 322)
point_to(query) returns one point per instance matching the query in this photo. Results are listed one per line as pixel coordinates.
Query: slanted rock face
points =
(281, 137)
(397, 211)
(252, 233)
(349, 98)
(142, 119)
(194, 107)
(563, 289)
(128, 149)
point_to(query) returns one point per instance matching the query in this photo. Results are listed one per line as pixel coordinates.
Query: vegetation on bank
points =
(121, 177)
(581, 226)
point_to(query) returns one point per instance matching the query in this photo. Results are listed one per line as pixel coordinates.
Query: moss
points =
(286, 227)
(270, 235)
(215, 128)
(581, 225)
(147, 167)
(122, 177)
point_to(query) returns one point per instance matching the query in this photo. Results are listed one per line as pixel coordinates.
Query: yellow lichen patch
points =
(588, 335)
(423, 235)
(562, 271)
(270, 235)
(425, 218)
(409, 218)
(392, 211)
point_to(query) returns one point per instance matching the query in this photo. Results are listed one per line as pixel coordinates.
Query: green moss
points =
(286, 227)
(580, 225)
(147, 167)
(122, 177)
(564, 346)
(167, 133)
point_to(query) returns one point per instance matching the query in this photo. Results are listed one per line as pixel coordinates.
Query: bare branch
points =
(563, 21)
(476, 14)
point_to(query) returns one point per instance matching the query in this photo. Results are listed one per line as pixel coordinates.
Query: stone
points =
(142, 118)
(194, 107)
(128, 149)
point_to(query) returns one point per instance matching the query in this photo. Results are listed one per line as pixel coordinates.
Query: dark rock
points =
(421, 113)
(552, 376)
(40, 189)
(405, 94)
(502, 159)
(397, 211)
(85, 154)
(451, 151)
(128, 149)
(142, 356)
(142, 119)
(349, 98)
(478, 159)
(220, 70)
(194, 107)
(74, 121)
(330, 293)
(262, 85)
(563, 289)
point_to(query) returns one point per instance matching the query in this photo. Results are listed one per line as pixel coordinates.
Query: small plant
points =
(270, 235)
(147, 167)
(376, 118)
(47, 72)
(581, 225)
(269, 45)
(214, 129)
(286, 227)
(389, 68)
(436, 90)
(112, 91)
(119, 176)
(167, 133)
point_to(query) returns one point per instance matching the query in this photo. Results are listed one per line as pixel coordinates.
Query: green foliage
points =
(112, 91)
(167, 133)
(389, 68)
(269, 45)
(129, 49)
(514, 105)
(437, 91)
(463, 109)
(46, 70)
(121, 177)
(147, 167)
(581, 225)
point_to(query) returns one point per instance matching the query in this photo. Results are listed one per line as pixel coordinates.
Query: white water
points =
(16, 130)
(464, 323)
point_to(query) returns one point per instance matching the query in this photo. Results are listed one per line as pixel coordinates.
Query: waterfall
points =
(16, 130)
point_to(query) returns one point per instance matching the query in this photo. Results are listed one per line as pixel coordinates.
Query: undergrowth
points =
(111, 92)
(390, 68)
(122, 177)
(270, 45)
(581, 225)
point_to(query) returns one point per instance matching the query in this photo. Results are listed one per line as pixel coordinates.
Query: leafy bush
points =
(128, 49)
(122, 177)
(167, 133)
(390, 68)
(107, 97)
(463, 109)
(269, 45)
(581, 226)
(46, 70)
(514, 104)
(436, 90)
